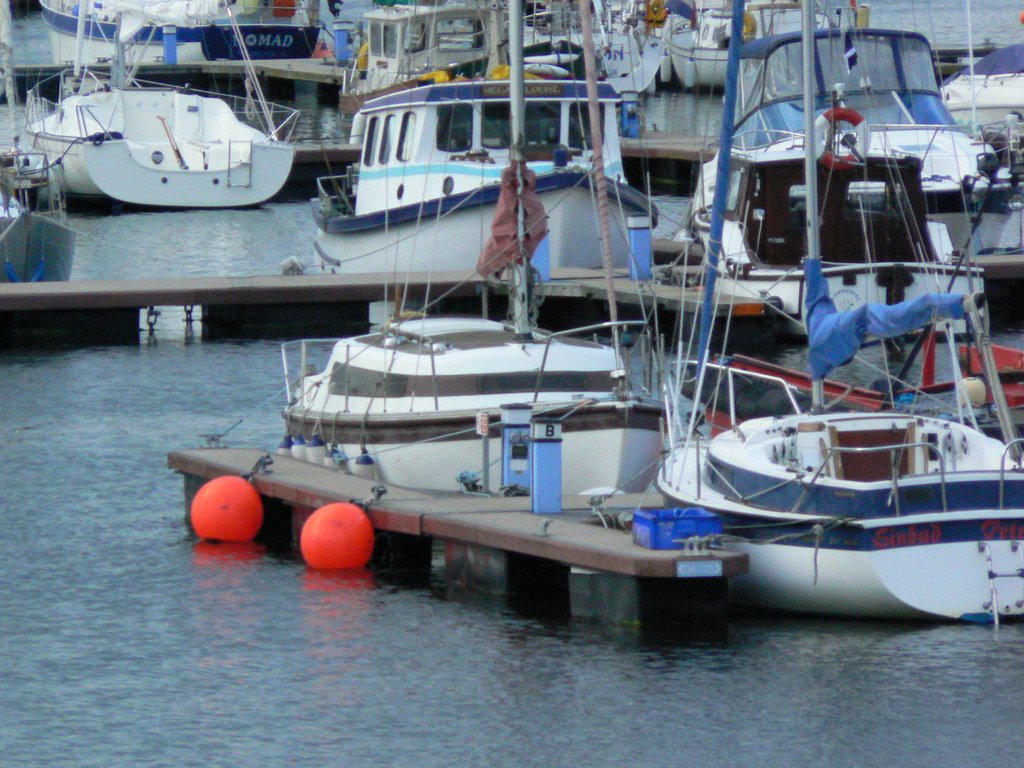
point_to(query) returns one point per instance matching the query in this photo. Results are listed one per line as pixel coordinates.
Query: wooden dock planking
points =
(503, 523)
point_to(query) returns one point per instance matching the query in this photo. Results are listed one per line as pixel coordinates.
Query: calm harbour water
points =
(122, 642)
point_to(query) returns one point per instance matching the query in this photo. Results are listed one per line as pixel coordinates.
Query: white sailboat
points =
(888, 515)
(35, 242)
(402, 402)
(153, 145)
(269, 29)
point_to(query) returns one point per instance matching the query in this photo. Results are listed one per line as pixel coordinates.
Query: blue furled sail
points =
(834, 337)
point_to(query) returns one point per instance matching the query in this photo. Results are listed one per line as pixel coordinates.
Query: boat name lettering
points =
(269, 41)
(1001, 529)
(912, 535)
(500, 90)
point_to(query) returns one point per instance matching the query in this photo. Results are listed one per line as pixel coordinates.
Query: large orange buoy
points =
(337, 536)
(1022, 17)
(227, 509)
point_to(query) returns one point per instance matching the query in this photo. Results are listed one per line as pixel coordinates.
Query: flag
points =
(850, 54)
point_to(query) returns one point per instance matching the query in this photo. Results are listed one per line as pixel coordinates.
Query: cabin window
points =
(405, 135)
(460, 34)
(359, 382)
(495, 126)
(734, 189)
(390, 41)
(385, 138)
(369, 141)
(579, 125)
(454, 127)
(555, 381)
(917, 66)
(415, 37)
(797, 206)
(865, 198)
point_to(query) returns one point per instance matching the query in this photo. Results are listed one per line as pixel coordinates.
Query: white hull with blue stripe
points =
(430, 172)
(830, 528)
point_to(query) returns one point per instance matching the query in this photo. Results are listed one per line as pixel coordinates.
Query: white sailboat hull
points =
(940, 580)
(624, 459)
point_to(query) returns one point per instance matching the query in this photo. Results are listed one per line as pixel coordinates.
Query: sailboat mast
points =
(517, 111)
(813, 224)
(597, 148)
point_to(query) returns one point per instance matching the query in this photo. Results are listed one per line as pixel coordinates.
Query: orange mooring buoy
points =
(337, 536)
(227, 509)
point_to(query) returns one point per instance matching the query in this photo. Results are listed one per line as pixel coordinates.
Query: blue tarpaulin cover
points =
(834, 337)
(1005, 61)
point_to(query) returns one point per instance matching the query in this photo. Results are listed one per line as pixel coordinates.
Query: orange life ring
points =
(826, 126)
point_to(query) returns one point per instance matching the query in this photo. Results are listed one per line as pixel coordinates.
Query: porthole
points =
(448, 185)
(401, 191)
(157, 157)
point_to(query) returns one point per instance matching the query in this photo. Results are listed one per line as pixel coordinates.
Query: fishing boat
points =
(405, 403)
(886, 78)
(151, 145)
(36, 243)
(270, 29)
(845, 513)
(432, 157)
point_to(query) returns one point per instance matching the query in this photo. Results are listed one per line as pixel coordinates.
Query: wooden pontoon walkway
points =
(605, 559)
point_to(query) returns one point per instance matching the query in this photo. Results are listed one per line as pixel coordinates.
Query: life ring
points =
(828, 137)
(656, 14)
(749, 26)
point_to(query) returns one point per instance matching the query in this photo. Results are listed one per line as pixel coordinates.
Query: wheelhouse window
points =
(495, 125)
(370, 140)
(454, 127)
(405, 135)
(579, 125)
(415, 37)
(460, 34)
(543, 123)
(390, 40)
(376, 40)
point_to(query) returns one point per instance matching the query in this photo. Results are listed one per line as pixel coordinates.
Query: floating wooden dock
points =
(281, 306)
(491, 544)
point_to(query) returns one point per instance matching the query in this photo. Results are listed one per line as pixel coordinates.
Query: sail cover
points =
(136, 14)
(834, 337)
(501, 248)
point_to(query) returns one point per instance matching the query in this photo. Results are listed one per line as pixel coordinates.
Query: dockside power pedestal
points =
(546, 466)
(515, 445)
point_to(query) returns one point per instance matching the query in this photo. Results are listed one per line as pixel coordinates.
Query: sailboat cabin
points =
(877, 208)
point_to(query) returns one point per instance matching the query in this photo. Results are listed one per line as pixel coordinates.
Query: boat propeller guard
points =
(839, 149)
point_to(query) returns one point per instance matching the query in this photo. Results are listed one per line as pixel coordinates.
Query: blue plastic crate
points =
(665, 528)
